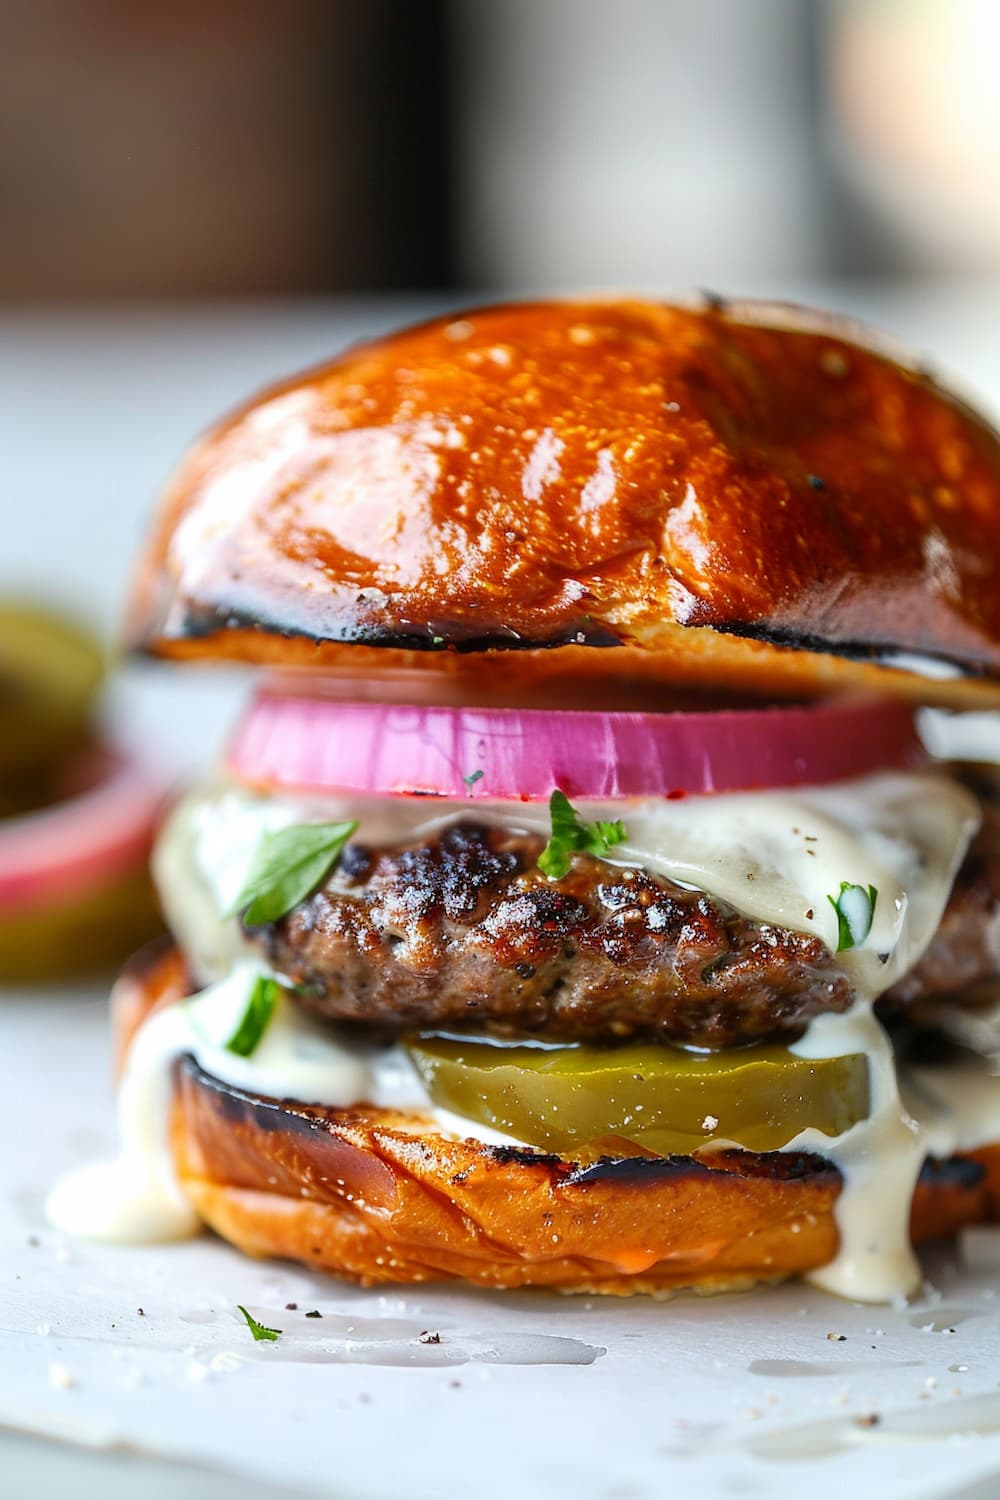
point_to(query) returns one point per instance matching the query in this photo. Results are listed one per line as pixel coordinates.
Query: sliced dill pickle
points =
(659, 1097)
(49, 672)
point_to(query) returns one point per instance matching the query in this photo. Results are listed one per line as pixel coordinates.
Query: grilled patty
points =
(465, 932)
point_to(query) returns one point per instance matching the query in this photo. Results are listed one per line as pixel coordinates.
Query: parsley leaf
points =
(261, 1334)
(255, 1018)
(287, 866)
(569, 834)
(472, 778)
(855, 908)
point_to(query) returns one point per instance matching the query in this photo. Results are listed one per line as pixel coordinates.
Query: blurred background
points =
(199, 196)
(262, 148)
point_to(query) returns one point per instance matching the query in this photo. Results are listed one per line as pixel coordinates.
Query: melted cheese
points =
(777, 856)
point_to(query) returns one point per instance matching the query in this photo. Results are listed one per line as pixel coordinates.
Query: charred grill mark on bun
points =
(208, 622)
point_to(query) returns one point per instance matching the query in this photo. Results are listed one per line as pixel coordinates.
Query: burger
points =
(578, 903)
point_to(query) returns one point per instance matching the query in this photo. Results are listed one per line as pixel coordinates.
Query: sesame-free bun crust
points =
(375, 1196)
(741, 495)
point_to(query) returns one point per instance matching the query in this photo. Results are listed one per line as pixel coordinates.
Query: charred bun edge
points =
(205, 622)
(375, 1196)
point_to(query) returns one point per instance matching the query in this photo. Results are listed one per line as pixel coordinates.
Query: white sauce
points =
(775, 855)
(879, 1158)
(961, 736)
(931, 667)
(135, 1197)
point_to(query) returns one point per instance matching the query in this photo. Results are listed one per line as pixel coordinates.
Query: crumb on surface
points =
(60, 1378)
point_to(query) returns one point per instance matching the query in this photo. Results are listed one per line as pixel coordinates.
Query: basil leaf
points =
(261, 1334)
(287, 867)
(855, 908)
(255, 1019)
(570, 834)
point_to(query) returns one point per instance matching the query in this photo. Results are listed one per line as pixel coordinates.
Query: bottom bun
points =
(377, 1196)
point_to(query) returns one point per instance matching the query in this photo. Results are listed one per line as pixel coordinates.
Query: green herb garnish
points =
(569, 835)
(855, 908)
(261, 1335)
(472, 778)
(287, 867)
(255, 1019)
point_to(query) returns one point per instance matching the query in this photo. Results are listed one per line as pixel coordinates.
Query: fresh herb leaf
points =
(256, 1018)
(287, 867)
(855, 908)
(570, 834)
(472, 778)
(261, 1335)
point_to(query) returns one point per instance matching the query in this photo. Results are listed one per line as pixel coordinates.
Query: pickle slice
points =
(84, 935)
(49, 672)
(661, 1098)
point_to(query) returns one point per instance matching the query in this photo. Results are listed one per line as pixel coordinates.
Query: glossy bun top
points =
(735, 495)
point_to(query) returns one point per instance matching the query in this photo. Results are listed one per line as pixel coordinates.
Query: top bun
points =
(740, 496)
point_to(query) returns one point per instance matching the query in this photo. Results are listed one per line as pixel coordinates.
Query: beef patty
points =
(465, 932)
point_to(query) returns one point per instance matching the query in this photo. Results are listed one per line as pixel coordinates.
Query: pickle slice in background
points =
(661, 1098)
(50, 670)
(84, 935)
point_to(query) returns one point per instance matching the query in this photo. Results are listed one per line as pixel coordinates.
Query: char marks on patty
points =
(464, 931)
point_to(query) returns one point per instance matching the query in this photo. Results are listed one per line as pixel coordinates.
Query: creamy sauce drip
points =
(135, 1197)
(879, 1159)
(774, 855)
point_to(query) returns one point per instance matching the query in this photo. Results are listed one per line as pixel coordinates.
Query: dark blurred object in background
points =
(262, 147)
(222, 147)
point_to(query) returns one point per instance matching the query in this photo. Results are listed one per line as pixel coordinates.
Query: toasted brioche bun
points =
(742, 496)
(376, 1196)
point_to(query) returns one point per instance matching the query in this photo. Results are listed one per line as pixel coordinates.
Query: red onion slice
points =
(321, 745)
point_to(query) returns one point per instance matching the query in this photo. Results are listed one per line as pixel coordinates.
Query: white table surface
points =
(526, 1395)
